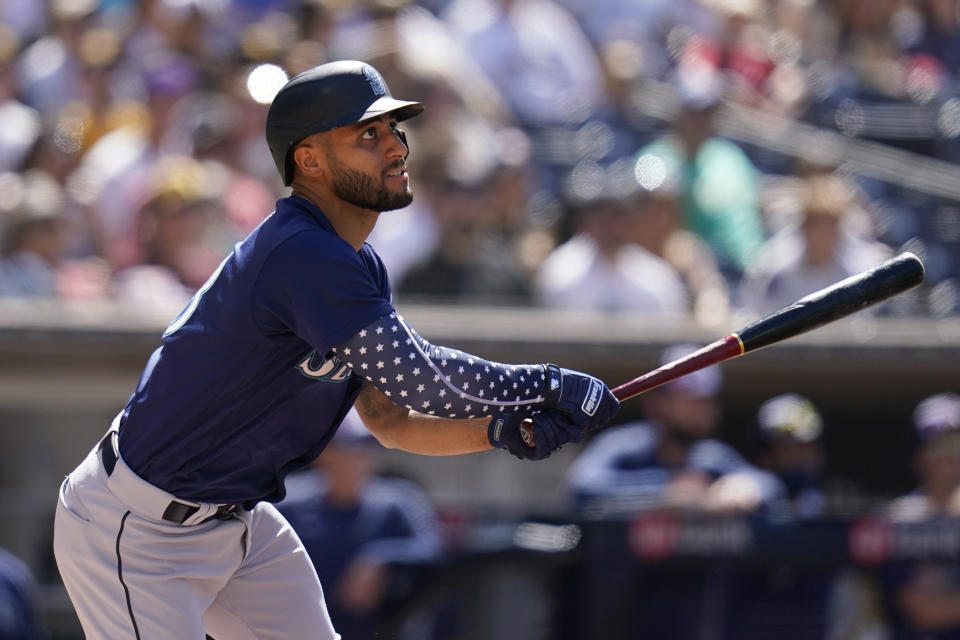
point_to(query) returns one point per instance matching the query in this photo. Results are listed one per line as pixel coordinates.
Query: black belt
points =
(176, 512)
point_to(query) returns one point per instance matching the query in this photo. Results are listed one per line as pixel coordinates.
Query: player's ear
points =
(308, 160)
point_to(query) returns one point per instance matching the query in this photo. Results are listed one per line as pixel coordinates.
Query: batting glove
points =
(551, 430)
(585, 399)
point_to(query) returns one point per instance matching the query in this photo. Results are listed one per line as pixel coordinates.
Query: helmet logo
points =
(376, 82)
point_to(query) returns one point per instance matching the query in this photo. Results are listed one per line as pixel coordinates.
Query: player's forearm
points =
(400, 428)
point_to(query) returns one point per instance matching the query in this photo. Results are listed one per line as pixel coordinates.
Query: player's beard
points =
(362, 190)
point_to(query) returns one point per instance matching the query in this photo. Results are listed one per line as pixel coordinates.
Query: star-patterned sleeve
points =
(438, 380)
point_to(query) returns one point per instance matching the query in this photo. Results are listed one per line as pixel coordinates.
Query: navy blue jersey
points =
(245, 388)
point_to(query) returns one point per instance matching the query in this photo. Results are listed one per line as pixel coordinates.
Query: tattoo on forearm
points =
(375, 405)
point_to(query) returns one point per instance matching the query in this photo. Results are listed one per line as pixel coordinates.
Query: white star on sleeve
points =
(379, 330)
(380, 364)
(363, 350)
(420, 388)
(346, 351)
(363, 333)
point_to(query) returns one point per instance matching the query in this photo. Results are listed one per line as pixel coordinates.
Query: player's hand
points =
(585, 399)
(551, 429)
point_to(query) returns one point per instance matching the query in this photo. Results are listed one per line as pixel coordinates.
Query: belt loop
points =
(108, 452)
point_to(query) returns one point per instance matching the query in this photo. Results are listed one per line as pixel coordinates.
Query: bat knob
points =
(526, 433)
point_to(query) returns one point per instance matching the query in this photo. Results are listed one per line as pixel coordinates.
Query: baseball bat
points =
(839, 300)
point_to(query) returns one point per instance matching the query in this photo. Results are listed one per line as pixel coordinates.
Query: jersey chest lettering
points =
(325, 370)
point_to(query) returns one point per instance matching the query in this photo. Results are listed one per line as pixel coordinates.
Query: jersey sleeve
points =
(315, 285)
(438, 380)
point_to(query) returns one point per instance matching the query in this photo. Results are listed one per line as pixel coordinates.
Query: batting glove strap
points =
(585, 399)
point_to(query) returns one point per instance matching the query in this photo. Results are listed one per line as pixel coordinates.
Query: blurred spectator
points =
(475, 254)
(659, 229)
(717, 181)
(20, 124)
(536, 53)
(18, 600)
(355, 524)
(789, 433)
(178, 229)
(34, 238)
(816, 253)
(601, 268)
(923, 598)
(813, 601)
(670, 461)
(936, 461)
(672, 458)
(939, 36)
(35, 243)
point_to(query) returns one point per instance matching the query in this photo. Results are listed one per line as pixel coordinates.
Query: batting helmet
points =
(326, 97)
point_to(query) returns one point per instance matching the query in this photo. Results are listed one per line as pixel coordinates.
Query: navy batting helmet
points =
(326, 97)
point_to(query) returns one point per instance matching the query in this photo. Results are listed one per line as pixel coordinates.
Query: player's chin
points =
(394, 201)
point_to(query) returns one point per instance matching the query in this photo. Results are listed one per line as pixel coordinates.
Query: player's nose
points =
(397, 147)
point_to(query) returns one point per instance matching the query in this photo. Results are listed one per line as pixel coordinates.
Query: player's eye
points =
(369, 134)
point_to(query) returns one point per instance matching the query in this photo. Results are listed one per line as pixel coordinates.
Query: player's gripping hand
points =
(585, 399)
(552, 429)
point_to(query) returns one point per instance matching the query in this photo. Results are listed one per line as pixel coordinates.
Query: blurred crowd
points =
(573, 153)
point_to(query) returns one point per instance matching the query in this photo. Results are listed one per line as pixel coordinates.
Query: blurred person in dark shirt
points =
(18, 600)
(670, 463)
(923, 597)
(672, 458)
(358, 526)
(788, 439)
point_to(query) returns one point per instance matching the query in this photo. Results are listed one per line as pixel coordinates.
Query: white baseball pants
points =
(130, 574)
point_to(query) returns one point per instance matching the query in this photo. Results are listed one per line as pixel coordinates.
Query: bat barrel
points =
(837, 301)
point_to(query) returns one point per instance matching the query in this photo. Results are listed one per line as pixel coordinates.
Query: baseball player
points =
(167, 528)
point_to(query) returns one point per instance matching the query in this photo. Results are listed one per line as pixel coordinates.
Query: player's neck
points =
(351, 223)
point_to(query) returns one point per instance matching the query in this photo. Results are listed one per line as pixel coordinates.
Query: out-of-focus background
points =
(598, 183)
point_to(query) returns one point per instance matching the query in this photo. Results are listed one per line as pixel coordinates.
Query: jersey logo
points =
(327, 370)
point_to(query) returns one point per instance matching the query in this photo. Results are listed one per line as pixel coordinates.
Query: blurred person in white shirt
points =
(816, 252)
(600, 268)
